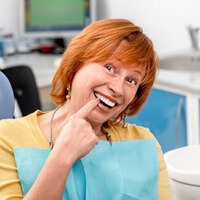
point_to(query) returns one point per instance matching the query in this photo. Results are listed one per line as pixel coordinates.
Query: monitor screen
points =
(55, 18)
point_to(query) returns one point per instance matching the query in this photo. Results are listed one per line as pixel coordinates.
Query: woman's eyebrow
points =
(137, 72)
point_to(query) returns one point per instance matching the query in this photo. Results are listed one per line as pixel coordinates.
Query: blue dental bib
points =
(127, 170)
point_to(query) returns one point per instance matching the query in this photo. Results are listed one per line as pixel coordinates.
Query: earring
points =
(123, 120)
(68, 96)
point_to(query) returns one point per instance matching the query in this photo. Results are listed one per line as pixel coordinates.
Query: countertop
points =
(44, 68)
(180, 80)
(187, 81)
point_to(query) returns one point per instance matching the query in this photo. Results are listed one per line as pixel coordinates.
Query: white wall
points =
(9, 16)
(164, 21)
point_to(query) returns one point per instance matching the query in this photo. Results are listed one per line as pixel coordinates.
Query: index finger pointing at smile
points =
(87, 108)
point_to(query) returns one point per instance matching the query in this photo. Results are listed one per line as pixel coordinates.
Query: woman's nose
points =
(117, 87)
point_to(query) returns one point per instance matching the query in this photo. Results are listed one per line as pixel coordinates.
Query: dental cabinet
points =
(165, 115)
(172, 110)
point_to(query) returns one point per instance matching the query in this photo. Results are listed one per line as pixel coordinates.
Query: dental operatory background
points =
(172, 111)
(165, 21)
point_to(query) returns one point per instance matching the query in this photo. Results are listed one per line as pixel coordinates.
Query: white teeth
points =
(105, 100)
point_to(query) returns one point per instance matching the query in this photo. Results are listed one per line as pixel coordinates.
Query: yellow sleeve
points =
(164, 189)
(10, 187)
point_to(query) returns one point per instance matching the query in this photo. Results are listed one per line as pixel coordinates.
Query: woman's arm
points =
(10, 187)
(52, 178)
(164, 190)
(75, 140)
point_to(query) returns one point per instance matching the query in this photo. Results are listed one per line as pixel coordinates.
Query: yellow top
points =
(25, 132)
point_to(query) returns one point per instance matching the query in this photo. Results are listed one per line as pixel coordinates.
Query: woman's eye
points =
(110, 68)
(132, 81)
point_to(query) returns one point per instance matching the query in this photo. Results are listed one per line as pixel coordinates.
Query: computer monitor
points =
(55, 18)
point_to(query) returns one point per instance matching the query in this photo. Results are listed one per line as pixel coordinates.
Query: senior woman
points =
(83, 149)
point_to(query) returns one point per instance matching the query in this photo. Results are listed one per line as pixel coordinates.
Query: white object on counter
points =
(183, 166)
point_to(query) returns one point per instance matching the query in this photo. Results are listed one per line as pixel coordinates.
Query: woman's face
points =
(112, 82)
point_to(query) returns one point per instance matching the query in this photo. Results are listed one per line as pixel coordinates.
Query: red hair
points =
(96, 43)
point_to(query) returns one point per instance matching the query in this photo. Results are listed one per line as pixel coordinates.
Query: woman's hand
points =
(77, 137)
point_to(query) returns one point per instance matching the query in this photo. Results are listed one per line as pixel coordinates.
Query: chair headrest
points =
(7, 102)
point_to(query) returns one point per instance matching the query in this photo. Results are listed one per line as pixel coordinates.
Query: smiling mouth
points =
(103, 100)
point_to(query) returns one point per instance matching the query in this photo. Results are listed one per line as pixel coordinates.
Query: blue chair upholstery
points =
(7, 101)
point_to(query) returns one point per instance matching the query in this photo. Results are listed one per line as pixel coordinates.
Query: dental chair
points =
(23, 83)
(7, 101)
